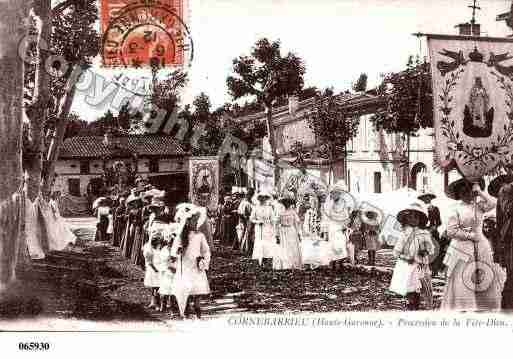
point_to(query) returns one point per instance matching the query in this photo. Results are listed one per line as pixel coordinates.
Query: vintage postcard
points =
(290, 172)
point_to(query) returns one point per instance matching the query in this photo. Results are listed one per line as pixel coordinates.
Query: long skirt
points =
(338, 243)
(265, 243)
(129, 240)
(249, 239)
(119, 231)
(136, 256)
(219, 231)
(289, 250)
(101, 229)
(471, 285)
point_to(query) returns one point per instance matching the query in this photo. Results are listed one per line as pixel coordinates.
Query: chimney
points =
(469, 29)
(293, 104)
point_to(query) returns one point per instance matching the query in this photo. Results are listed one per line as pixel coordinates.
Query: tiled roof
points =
(347, 99)
(142, 145)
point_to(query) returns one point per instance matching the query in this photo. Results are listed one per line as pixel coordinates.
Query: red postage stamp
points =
(142, 33)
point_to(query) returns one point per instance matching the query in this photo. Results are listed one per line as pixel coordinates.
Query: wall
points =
(67, 169)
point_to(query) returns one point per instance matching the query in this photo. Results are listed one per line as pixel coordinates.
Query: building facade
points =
(158, 158)
(375, 161)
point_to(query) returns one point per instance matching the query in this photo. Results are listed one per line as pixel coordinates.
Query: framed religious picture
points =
(204, 181)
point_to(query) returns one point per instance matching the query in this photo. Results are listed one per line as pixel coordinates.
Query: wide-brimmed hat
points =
(340, 186)
(287, 200)
(496, 184)
(185, 211)
(416, 209)
(455, 188)
(157, 202)
(263, 194)
(132, 198)
(426, 197)
(101, 201)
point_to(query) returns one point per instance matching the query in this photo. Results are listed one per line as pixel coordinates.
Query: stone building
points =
(375, 162)
(158, 158)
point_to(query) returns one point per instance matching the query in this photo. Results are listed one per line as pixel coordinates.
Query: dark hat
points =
(287, 201)
(417, 209)
(496, 184)
(455, 188)
(426, 197)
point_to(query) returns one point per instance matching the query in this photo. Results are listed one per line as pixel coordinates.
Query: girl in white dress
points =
(151, 253)
(264, 218)
(413, 249)
(167, 273)
(289, 226)
(193, 260)
(168, 264)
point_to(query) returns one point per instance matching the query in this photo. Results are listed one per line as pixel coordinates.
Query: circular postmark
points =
(147, 34)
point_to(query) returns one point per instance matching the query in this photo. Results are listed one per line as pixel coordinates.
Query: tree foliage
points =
(407, 99)
(361, 83)
(332, 124)
(128, 120)
(66, 34)
(267, 76)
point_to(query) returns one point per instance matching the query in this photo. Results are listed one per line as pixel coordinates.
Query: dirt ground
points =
(117, 292)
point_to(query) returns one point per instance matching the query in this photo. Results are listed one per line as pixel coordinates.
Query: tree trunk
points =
(12, 16)
(272, 143)
(33, 159)
(62, 122)
(408, 160)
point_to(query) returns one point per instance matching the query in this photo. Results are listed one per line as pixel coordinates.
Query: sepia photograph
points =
(224, 166)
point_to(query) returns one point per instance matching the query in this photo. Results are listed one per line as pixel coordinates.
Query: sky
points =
(337, 39)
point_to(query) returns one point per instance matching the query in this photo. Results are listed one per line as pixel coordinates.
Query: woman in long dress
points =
(337, 217)
(473, 279)
(102, 214)
(134, 225)
(151, 253)
(119, 222)
(219, 229)
(264, 218)
(289, 226)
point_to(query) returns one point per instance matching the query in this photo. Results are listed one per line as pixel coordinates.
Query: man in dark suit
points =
(434, 221)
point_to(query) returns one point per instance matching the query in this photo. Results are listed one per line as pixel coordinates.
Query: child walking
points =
(412, 276)
(193, 255)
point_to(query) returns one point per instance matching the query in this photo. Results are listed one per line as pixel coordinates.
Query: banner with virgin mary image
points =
(204, 181)
(473, 103)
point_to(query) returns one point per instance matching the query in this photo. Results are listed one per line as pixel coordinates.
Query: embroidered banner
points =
(473, 103)
(204, 181)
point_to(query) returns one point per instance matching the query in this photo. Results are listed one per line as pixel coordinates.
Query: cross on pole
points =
(474, 7)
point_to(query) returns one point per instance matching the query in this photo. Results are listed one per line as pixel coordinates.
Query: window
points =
(349, 180)
(84, 167)
(153, 165)
(74, 186)
(377, 182)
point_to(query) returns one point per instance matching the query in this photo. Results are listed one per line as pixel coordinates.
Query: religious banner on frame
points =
(473, 103)
(204, 181)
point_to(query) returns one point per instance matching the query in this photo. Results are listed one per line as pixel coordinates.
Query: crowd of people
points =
(174, 243)
(468, 254)
(271, 229)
